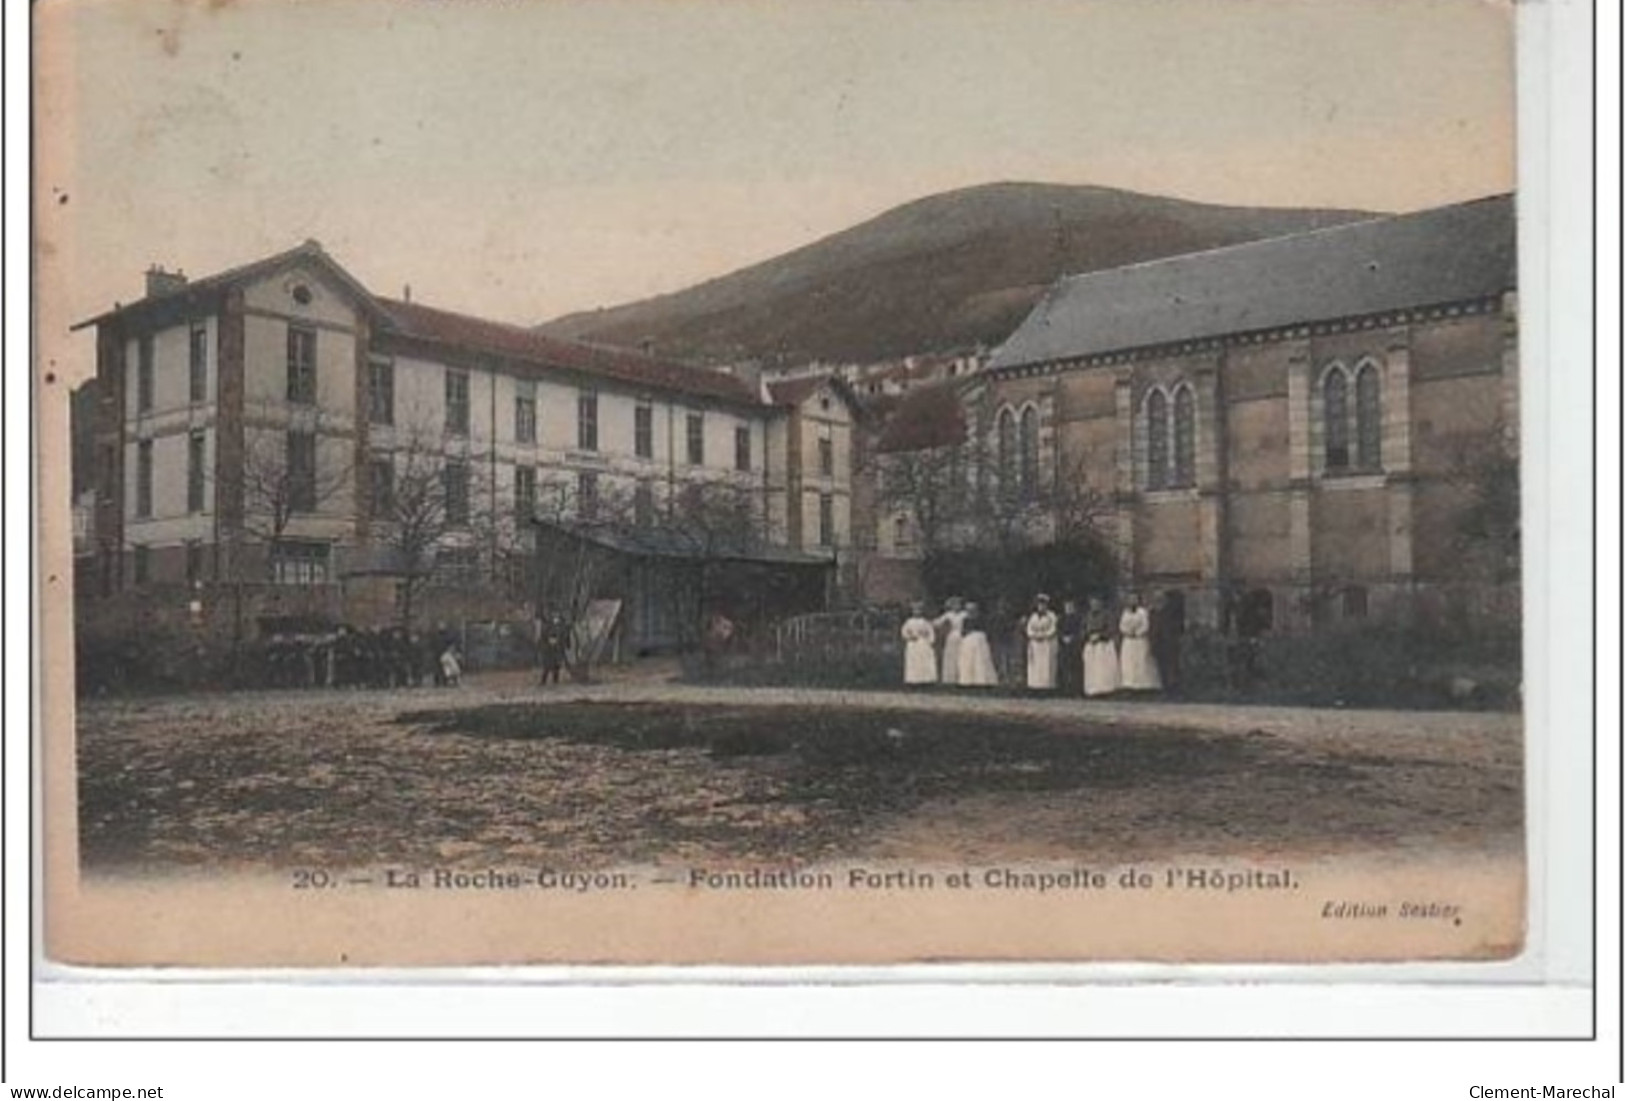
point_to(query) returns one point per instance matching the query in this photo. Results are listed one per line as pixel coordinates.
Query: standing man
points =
(1042, 630)
(1168, 636)
(1069, 678)
(551, 645)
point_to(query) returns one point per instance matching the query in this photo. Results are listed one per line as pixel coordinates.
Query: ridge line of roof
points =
(1261, 242)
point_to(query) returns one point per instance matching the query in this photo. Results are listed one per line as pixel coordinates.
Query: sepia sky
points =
(523, 158)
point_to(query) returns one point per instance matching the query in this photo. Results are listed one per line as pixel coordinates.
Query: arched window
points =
(1156, 439)
(1368, 418)
(1029, 453)
(1184, 437)
(1007, 450)
(1335, 397)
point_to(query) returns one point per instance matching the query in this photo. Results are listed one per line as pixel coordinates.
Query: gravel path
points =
(482, 776)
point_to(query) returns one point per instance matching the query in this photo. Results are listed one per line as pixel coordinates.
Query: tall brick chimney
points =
(160, 281)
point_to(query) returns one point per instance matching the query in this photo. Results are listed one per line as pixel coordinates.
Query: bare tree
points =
(717, 519)
(577, 522)
(1083, 513)
(286, 473)
(430, 505)
(931, 488)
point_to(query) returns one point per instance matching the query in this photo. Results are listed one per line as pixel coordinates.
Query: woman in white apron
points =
(1100, 672)
(975, 655)
(1042, 627)
(951, 626)
(1139, 668)
(919, 648)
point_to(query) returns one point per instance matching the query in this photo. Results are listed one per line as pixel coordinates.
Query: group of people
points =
(1075, 652)
(350, 657)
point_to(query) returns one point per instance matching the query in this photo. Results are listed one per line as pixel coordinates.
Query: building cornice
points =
(1280, 334)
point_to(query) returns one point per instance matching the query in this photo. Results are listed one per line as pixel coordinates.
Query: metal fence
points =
(828, 634)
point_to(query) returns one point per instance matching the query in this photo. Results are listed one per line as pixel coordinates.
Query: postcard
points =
(741, 483)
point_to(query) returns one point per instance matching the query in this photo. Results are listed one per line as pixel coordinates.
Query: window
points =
(381, 391)
(643, 505)
(902, 534)
(143, 374)
(524, 492)
(826, 456)
(524, 414)
(143, 478)
(142, 563)
(301, 471)
(301, 365)
(198, 363)
(196, 445)
(1184, 437)
(454, 483)
(826, 520)
(587, 422)
(1029, 453)
(1368, 418)
(696, 439)
(1007, 449)
(1355, 602)
(457, 402)
(742, 447)
(381, 486)
(586, 495)
(643, 431)
(1335, 395)
(299, 562)
(457, 565)
(194, 562)
(1156, 439)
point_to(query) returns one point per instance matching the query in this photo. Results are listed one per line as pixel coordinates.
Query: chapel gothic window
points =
(1336, 410)
(1352, 422)
(1184, 437)
(1007, 449)
(1368, 418)
(1156, 436)
(1029, 453)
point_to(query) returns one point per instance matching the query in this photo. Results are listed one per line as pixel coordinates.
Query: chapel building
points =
(1304, 422)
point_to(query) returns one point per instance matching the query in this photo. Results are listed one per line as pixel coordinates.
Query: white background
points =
(1555, 158)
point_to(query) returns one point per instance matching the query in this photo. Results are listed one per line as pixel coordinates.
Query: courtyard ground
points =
(500, 773)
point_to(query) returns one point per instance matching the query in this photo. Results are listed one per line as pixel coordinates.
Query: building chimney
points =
(406, 292)
(161, 282)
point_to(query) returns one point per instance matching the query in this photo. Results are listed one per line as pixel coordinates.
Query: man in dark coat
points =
(1168, 636)
(551, 645)
(1070, 679)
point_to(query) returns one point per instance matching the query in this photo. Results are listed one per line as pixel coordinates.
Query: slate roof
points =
(1448, 254)
(445, 329)
(310, 250)
(464, 332)
(791, 392)
(794, 391)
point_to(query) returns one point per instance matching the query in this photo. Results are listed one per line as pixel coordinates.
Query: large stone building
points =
(258, 427)
(1308, 419)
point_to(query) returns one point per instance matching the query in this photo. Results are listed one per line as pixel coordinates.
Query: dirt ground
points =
(500, 774)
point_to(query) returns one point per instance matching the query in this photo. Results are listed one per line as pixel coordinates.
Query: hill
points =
(947, 272)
